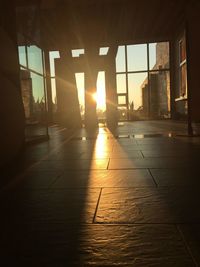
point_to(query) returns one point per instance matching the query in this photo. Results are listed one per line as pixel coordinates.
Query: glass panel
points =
(38, 101)
(35, 58)
(121, 100)
(137, 57)
(183, 81)
(120, 59)
(26, 90)
(22, 55)
(52, 56)
(182, 50)
(80, 84)
(77, 52)
(54, 96)
(159, 94)
(32, 88)
(121, 83)
(159, 55)
(103, 51)
(137, 90)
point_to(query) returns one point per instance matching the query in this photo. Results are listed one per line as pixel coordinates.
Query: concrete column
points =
(91, 72)
(48, 86)
(68, 113)
(12, 115)
(193, 59)
(111, 91)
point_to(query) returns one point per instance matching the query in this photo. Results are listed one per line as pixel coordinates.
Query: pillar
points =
(91, 72)
(11, 107)
(111, 90)
(48, 86)
(68, 111)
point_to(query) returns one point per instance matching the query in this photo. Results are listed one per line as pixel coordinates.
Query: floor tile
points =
(36, 180)
(71, 165)
(191, 235)
(98, 245)
(126, 154)
(176, 177)
(108, 178)
(42, 206)
(148, 205)
(133, 163)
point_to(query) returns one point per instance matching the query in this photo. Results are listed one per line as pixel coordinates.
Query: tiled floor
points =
(127, 198)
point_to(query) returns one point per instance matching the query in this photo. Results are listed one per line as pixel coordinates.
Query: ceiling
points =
(89, 23)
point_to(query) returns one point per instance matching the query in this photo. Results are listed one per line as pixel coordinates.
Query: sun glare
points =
(94, 97)
(99, 97)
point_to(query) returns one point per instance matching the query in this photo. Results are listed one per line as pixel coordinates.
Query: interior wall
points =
(193, 20)
(11, 109)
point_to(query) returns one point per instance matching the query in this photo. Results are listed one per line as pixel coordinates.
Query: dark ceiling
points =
(85, 23)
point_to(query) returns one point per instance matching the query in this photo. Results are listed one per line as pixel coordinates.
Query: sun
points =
(99, 97)
(94, 97)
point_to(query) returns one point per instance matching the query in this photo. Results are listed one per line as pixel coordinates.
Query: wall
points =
(11, 107)
(193, 19)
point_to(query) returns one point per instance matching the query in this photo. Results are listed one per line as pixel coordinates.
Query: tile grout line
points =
(107, 168)
(97, 206)
(186, 245)
(152, 177)
(142, 153)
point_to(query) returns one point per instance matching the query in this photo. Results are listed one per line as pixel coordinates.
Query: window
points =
(103, 51)
(142, 75)
(120, 59)
(182, 68)
(121, 83)
(52, 56)
(137, 57)
(22, 55)
(33, 88)
(77, 52)
(35, 59)
(159, 56)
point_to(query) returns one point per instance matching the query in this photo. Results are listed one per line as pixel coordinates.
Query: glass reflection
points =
(35, 61)
(33, 91)
(159, 86)
(159, 55)
(138, 95)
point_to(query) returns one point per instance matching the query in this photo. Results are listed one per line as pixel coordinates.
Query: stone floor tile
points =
(37, 180)
(42, 206)
(134, 163)
(169, 153)
(108, 178)
(126, 154)
(176, 177)
(72, 205)
(148, 205)
(71, 165)
(191, 235)
(97, 245)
